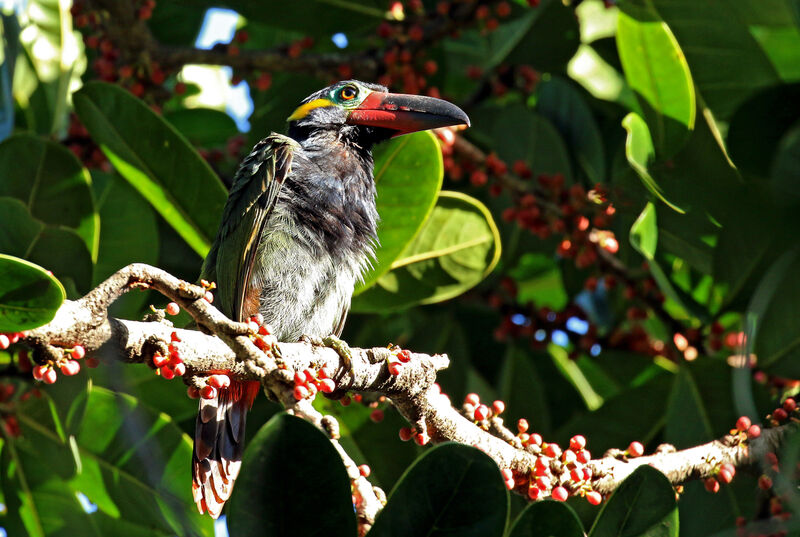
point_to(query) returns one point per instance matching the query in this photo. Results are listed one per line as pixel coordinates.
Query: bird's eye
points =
(348, 93)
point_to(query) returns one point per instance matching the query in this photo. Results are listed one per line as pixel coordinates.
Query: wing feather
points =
(251, 200)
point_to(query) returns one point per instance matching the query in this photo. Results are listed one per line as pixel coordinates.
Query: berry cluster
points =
(557, 473)
(395, 362)
(68, 364)
(308, 382)
(172, 365)
(213, 383)
(261, 334)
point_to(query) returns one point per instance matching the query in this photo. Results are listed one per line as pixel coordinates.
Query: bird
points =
(298, 231)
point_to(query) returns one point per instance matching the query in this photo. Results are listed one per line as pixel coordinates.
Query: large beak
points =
(406, 113)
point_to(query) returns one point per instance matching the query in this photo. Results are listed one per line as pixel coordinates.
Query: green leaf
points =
(522, 389)
(657, 72)
(156, 160)
(52, 183)
(772, 317)
(551, 40)
(715, 38)
(547, 518)
(129, 233)
(272, 495)
(29, 296)
(316, 17)
(644, 505)
(644, 232)
(525, 135)
(203, 127)
(408, 177)
(451, 490)
(458, 247)
(565, 107)
(129, 461)
(640, 154)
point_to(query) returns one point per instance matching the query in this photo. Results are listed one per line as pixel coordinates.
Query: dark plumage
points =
(297, 232)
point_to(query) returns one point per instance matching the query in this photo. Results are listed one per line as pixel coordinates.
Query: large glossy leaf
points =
(643, 505)
(203, 127)
(52, 183)
(408, 176)
(156, 160)
(456, 249)
(272, 495)
(561, 103)
(56, 57)
(547, 518)
(640, 153)
(518, 133)
(60, 250)
(716, 39)
(130, 462)
(773, 313)
(451, 490)
(29, 296)
(656, 70)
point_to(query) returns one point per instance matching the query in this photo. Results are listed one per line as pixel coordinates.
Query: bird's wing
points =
(252, 197)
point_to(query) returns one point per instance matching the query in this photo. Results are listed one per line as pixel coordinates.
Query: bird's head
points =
(368, 113)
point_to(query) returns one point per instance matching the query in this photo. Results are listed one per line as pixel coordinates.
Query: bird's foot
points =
(333, 342)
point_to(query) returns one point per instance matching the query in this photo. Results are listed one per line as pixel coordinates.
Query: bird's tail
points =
(219, 444)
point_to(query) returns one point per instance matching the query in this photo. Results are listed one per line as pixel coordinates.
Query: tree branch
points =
(413, 391)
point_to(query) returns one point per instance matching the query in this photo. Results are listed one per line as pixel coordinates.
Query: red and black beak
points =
(406, 113)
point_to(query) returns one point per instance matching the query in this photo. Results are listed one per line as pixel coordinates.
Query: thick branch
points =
(413, 391)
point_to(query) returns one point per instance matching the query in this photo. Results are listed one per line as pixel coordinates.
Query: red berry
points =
(70, 368)
(635, 449)
(167, 372)
(406, 434)
(39, 371)
(472, 399)
(533, 493)
(789, 405)
(522, 425)
(422, 438)
(49, 376)
(535, 439)
(327, 386)
(552, 451)
(404, 356)
(764, 482)
(712, 485)
(577, 442)
(4, 341)
(376, 415)
(543, 482)
(301, 392)
(584, 456)
(482, 412)
(219, 381)
(743, 423)
(159, 360)
(780, 414)
(395, 367)
(725, 476)
(92, 362)
(193, 392)
(179, 369)
(498, 407)
(594, 497)
(754, 431)
(568, 457)
(209, 296)
(560, 494)
(208, 392)
(364, 470)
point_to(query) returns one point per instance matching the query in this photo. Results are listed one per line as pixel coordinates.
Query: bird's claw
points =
(333, 342)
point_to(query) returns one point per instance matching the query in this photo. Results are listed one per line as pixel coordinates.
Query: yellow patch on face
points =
(303, 110)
